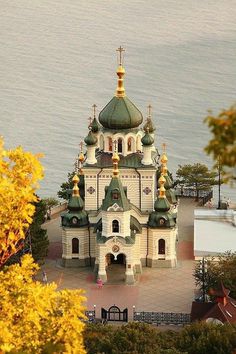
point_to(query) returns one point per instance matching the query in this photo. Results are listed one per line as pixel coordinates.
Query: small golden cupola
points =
(170, 193)
(162, 191)
(115, 160)
(75, 180)
(120, 90)
(161, 216)
(81, 159)
(76, 216)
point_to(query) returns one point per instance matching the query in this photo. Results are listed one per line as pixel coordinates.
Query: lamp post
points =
(219, 183)
(203, 271)
(94, 309)
(133, 312)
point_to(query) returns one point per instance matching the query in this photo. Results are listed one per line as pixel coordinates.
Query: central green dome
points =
(120, 113)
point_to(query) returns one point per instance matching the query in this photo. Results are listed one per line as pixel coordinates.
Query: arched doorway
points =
(115, 268)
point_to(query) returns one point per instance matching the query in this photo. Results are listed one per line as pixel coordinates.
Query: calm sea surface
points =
(57, 58)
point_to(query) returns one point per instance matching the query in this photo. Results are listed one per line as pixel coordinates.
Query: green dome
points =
(161, 220)
(94, 126)
(120, 113)
(74, 219)
(162, 204)
(147, 140)
(75, 216)
(75, 203)
(90, 139)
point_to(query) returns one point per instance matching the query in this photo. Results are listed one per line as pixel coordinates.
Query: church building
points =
(123, 209)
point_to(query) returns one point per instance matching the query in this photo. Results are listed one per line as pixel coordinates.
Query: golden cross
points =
(76, 165)
(149, 110)
(94, 110)
(120, 49)
(90, 121)
(164, 147)
(81, 146)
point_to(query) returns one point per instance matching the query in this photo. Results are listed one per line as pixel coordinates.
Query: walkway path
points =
(167, 290)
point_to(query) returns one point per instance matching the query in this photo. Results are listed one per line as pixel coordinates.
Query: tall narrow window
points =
(161, 246)
(110, 144)
(101, 142)
(120, 145)
(129, 144)
(75, 245)
(115, 226)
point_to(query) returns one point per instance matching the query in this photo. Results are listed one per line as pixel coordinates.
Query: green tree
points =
(36, 241)
(223, 143)
(197, 177)
(39, 239)
(140, 338)
(98, 338)
(203, 338)
(221, 270)
(50, 202)
(132, 338)
(66, 187)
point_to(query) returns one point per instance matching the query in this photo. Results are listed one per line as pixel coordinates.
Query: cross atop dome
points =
(120, 50)
(149, 107)
(94, 110)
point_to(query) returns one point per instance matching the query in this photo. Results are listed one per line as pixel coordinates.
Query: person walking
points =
(99, 283)
(44, 277)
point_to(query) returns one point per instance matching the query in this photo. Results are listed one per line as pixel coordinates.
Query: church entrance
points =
(115, 268)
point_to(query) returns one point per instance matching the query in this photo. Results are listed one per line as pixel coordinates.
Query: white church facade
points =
(128, 211)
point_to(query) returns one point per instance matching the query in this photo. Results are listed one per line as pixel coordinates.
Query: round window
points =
(162, 221)
(74, 220)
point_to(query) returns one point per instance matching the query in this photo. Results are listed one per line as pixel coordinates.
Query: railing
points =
(207, 197)
(162, 317)
(192, 193)
(90, 315)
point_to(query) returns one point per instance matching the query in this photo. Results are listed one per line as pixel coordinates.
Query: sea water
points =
(58, 58)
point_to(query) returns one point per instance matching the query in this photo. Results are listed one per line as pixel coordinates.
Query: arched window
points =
(161, 246)
(75, 245)
(129, 144)
(101, 142)
(120, 149)
(138, 143)
(115, 226)
(109, 144)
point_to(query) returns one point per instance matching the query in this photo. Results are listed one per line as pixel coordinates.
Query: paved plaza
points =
(166, 290)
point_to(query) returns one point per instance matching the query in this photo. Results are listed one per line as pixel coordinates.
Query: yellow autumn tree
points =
(35, 318)
(19, 175)
(222, 145)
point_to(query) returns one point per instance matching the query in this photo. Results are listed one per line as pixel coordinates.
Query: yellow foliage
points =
(35, 317)
(19, 175)
(222, 146)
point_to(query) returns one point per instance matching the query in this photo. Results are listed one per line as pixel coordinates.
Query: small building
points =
(221, 310)
(214, 232)
(128, 213)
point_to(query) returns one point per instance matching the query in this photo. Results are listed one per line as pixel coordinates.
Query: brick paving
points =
(166, 290)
